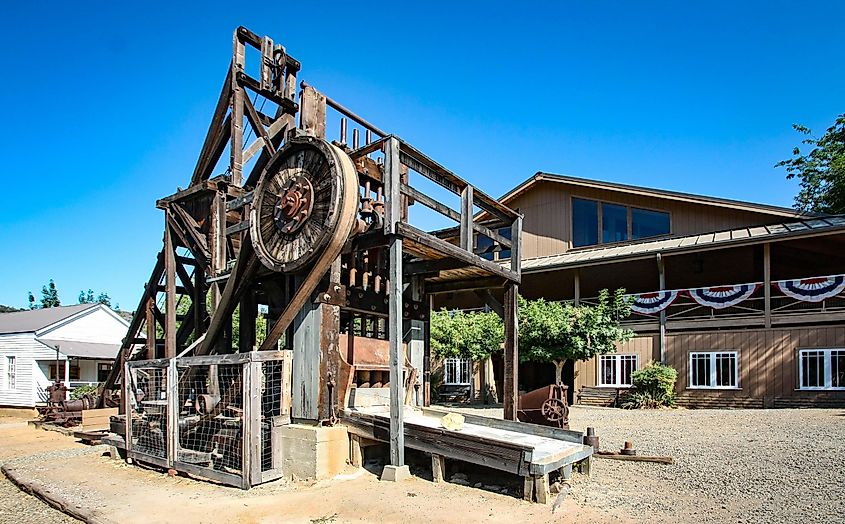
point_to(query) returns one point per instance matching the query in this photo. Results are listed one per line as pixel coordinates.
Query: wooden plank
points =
(422, 198)
(516, 246)
(767, 284)
(312, 116)
(633, 458)
(96, 419)
(215, 129)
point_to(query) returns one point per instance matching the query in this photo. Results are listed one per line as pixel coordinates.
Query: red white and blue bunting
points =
(812, 289)
(652, 303)
(721, 297)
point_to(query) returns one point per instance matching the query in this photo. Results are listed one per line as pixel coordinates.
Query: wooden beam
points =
(392, 186)
(511, 379)
(238, 281)
(236, 144)
(576, 283)
(260, 131)
(312, 117)
(466, 219)
(214, 131)
(397, 356)
(170, 293)
(487, 297)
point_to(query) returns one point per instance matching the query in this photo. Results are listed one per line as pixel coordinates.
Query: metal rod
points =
(346, 112)
(343, 131)
(355, 138)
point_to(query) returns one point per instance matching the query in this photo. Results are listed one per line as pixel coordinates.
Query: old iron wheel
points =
(554, 410)
(297, 203)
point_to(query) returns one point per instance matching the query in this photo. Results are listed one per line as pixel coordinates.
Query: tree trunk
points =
(559, 371)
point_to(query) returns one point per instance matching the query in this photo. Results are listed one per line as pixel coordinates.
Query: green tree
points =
(50, 295)
(821, 170)
(458, 334)
(31, 298)
(87, 297)
(8, 309)
(559, 332)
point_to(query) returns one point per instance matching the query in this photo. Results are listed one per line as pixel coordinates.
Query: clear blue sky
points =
(106, 105)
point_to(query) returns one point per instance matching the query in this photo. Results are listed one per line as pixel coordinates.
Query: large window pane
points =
(614, 223)
(700, 370)
(608, 370)
(725, 366)
(812, 369)
(646, 223)
(837, 369)
(585, 222)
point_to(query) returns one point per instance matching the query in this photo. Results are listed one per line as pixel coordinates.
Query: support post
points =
(150, 327)
(577, 285)
(662, 277)
(466, 219)
(170, 292)
(397, 395)
(511, 382)
(767, 284)
(236, 145)
(173, 407)
(438, 467)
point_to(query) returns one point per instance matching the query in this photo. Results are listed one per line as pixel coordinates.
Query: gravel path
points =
(750, 466)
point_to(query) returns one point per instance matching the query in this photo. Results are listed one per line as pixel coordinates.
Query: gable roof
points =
(651, 192)
(36, 319)
(697, 242)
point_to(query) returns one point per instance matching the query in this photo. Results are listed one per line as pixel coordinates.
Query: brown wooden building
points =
(754, 314)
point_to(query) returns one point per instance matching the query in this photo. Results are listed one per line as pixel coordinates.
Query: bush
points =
(653, 387)
(80, 391)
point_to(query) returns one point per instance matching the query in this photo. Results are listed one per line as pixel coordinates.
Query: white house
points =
(87, 336)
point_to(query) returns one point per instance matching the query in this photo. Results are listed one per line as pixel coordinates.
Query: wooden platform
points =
(528, 450)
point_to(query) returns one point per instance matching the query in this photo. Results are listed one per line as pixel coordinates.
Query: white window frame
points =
(11, 372)
(617, 359)
(461, 365)
(827, 369)
(712, 379)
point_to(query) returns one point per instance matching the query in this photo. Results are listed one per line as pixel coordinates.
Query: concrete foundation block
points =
(306, 452)
(395, 473)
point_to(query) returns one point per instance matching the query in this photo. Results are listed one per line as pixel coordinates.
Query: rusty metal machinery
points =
(60, 410)
(546, 405)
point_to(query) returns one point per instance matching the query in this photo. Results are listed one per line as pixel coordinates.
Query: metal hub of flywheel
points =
(554, 410)
(294, 206)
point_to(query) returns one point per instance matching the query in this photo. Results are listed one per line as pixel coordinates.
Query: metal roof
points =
(700, 242)
(75, 348)
(36, 319)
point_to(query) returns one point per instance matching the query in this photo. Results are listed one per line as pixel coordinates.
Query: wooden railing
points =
(685, 313)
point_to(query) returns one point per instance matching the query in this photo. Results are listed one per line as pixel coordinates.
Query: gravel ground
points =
(783, 465)
(17, 507)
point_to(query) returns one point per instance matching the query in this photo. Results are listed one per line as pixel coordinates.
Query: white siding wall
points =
(26, 350)
(98, 326)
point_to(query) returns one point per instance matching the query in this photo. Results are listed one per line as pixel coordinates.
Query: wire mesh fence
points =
(211, 416)
(147, 389)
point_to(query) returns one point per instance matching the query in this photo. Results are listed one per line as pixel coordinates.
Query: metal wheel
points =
(298, 201)
(554, 410)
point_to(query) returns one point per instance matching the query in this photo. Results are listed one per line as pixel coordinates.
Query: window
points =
(486, 248)
(615, 370)
(74, 371)
(714, 370)
(585, 222)
(596, 222)
(614, 223)
(647, 223)
(456, 371)
(103, 370)
(11, 373)
(821, 368)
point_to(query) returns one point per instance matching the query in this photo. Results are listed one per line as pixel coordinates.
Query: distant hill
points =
(8, 309)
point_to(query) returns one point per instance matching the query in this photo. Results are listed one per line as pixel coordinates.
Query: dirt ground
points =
(121, 493)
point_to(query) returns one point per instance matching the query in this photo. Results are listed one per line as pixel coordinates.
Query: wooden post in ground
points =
(438, 467)
(510, 391)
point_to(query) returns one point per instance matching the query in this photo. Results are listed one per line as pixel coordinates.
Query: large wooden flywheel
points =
(305, 205)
